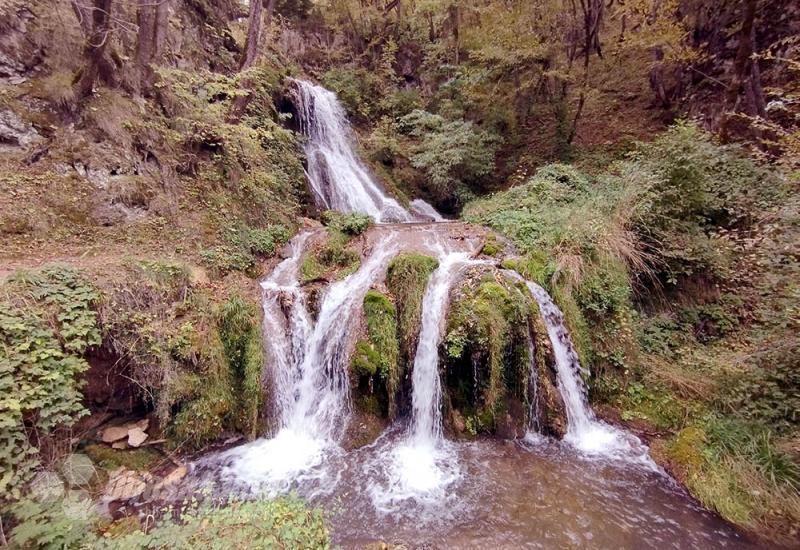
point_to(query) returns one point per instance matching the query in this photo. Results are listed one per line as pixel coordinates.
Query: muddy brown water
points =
(513, 495)
(509, 495)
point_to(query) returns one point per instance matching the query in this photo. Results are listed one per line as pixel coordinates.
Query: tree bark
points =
(253, 34)
(250, 53)
(153, 19)
(97, 66)
(742, 68)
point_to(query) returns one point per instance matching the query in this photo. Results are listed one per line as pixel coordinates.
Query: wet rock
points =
(114, 433)
(172, 478)
(14, 132)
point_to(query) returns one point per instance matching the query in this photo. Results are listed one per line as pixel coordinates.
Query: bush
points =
(350, 224)
(42, 341)
(449, 153)
(74, 523)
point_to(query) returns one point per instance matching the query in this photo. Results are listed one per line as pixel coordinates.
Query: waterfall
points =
(423, 464)
(534, 412)
(584, 431)
(310, 366)
(337, 177)
(426, 419)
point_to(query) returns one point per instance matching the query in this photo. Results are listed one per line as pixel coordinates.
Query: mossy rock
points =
(407, 277)
(486, 361)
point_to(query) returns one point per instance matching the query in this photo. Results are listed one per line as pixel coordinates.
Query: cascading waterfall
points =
(423, 463)
(337, 176)
(311, 382)
(584, 431)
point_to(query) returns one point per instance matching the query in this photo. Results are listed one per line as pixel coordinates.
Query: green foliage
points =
(240, 333)
(263, 242)
(42, 338)
(734, 437)
(449, 153)
(691, 192)
(406, 278)
(281, 523)
(224, 259)
(355, 87)
(54, 524)
(769, 392)
(347, 223)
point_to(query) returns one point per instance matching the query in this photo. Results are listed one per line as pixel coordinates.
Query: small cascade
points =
(423, 463)
(534, 409)
(286, 321)
(424, 211)
(584, 431)
(310, 366)
(339, 180)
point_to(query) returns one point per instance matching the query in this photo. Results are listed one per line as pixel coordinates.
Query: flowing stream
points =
(412, 485)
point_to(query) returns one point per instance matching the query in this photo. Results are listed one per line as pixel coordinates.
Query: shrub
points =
(449, 153)
(285, 522)
(224, 259)
(42, 341)
(350, 224)
(239, 330)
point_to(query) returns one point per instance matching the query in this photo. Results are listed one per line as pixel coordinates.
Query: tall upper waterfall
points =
(339, 180)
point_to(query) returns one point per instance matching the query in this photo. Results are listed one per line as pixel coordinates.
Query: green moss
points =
(365, 359)
(687, 448)
(141, 459)
(239, 329)
(407, 277)
(486, 350)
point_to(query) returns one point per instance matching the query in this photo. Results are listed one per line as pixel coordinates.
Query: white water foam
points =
(313, 389)
(423, 464)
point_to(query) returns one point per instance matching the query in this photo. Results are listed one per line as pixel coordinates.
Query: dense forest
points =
(639, 160)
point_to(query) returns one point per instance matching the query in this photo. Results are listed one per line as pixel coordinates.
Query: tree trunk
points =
(250, 53)
(742, 68)
(253, 34)
(152, 18)
(97, 66)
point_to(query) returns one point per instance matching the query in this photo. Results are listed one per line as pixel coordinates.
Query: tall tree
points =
(97, 65)
(745, 84)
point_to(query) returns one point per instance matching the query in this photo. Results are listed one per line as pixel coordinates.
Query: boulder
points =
(125, 484)
(78, 470)
(16, 132)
